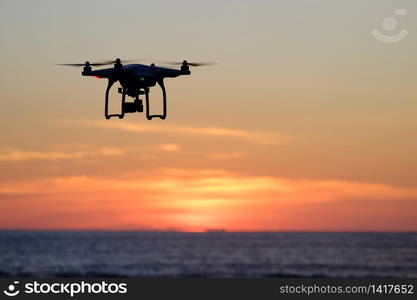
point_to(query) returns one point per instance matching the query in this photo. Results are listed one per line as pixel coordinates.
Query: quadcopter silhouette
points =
(135, 80)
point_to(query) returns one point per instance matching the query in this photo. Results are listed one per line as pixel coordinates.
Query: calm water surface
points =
(171, 254)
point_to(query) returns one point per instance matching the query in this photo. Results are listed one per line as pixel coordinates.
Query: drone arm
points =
(104, 73)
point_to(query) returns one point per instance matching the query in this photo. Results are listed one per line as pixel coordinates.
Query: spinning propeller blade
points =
(99, 63)
(193, 64)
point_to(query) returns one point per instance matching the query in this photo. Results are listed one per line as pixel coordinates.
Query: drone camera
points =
(132, 107)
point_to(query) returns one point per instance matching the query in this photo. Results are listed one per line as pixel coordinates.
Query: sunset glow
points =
(199, 200)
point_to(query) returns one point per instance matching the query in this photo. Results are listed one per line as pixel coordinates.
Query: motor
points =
(185, 67)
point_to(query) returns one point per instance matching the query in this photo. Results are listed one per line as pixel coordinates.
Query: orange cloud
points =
(258, 137)
(194, 200)
(23, 155)
(20, 155)
(169, 147)
(226, 156)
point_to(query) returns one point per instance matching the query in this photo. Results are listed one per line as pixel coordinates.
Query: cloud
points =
(25, 155)
(21, 155)
(257, 137)
(226, 156)
(196, 199)
(169, 147)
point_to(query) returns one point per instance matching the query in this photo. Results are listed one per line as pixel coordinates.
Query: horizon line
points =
(209, 231)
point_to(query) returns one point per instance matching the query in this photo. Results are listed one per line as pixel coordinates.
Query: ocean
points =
(213, 254)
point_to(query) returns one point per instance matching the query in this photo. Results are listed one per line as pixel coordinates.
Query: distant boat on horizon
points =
(215, 230)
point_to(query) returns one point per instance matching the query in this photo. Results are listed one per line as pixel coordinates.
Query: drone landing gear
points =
(106, 103)
(164, 103)
(136, 105)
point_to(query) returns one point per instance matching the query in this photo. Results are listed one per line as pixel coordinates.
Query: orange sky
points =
(167, 186)
(307, 122)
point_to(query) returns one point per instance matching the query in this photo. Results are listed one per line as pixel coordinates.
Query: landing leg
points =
(161, 84)
(164, 103)
(106, 103)
(122, 114)
(148, 115)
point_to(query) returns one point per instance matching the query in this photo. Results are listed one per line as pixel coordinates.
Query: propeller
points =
(193, 64)
(99, 63)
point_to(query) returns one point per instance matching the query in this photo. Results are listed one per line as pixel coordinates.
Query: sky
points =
(306, 123)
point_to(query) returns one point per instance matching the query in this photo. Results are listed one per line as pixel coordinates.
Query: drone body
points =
(135, 80)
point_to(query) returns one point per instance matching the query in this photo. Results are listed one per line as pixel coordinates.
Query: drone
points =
(135, 80)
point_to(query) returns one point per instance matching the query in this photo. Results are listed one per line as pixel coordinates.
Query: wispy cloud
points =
(226, 156)
(21, 155)
(258, 137)
(15, 155)
(168, 147)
